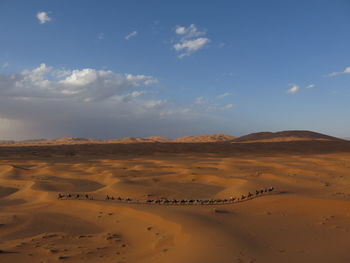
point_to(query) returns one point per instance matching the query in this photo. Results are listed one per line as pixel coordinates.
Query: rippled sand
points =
(306, 220)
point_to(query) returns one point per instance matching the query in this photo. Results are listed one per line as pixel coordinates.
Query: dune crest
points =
(206, 138)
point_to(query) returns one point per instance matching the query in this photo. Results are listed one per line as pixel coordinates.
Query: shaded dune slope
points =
(302, 147)
(285, 136)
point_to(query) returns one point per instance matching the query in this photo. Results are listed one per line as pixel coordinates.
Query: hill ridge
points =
(281, 136)
(288, 135)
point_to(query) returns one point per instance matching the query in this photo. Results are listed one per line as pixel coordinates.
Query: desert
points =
(174, 131)
(306, 218)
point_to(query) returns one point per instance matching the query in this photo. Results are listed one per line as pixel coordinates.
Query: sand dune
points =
(127, 140)
(283, 136)
(206, 138)
(307, 219)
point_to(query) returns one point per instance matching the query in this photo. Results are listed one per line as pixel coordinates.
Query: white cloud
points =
(226, 94)
(132, 95)
(81, 77)
(136, 94)
(180, 30)
(294, 89)
(311, 86)
(211, 105)
(190, 40)
(80, 84)
(199, 101)
(137, 79)
(228, 106)
(345, 71)
(190, 46)
(43, 17)
(190, 32)
(216, 107)
(154, 104)
(131, 35)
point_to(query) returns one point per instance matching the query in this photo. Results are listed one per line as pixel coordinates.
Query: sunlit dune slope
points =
(206, 138)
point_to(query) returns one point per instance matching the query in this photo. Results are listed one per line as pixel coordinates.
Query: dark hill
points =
(295, 135)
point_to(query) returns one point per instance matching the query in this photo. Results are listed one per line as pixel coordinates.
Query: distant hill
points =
(206, 138)
(158, 139)
(71, 140)
(283, 136)
(58, 141)
(294, 135)
(185, 139)
(125, 140)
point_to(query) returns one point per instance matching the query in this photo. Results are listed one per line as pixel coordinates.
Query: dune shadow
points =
(8, 252)
(6, 191)
(57, 184)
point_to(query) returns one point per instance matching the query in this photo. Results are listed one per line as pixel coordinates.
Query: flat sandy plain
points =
(307, 219)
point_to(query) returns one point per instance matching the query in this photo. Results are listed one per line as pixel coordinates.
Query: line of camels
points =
(165, 201)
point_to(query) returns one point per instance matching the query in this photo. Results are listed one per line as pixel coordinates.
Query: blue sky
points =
(109, 69)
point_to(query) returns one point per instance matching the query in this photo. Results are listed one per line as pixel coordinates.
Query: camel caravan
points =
(165, 201)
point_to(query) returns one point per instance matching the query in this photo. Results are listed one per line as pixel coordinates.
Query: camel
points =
(165, 201)
(232, 199)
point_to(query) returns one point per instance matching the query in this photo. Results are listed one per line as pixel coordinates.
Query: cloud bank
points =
(47, 102)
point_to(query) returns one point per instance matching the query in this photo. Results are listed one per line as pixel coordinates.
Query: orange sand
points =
(307, 221)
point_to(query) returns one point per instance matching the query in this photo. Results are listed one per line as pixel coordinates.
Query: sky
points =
(111, 69)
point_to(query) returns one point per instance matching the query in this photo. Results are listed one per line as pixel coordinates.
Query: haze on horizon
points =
(115, 69)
